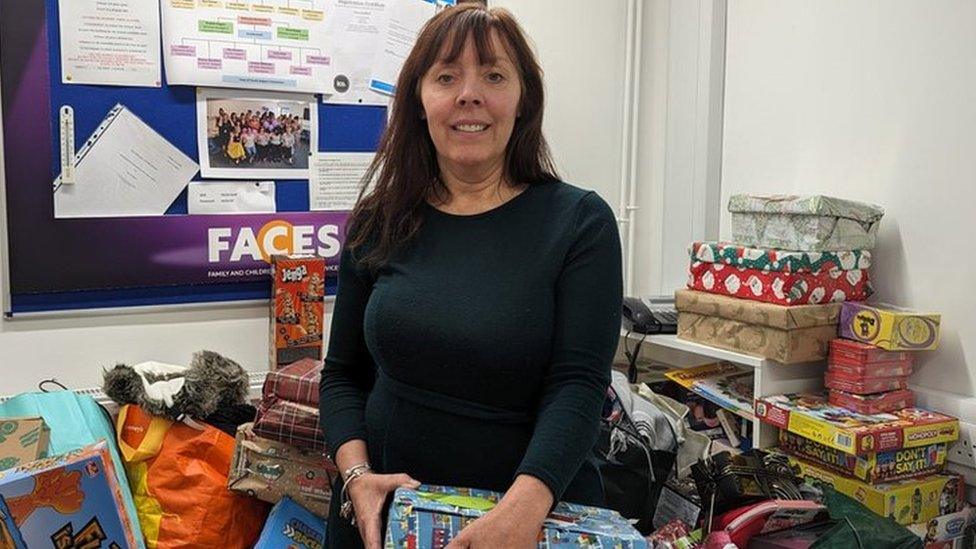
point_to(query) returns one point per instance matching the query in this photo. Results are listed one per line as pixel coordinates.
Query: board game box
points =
(864, 385)
(878, 403)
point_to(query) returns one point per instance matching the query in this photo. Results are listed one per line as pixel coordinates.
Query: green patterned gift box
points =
(807, 223)
(786, 261)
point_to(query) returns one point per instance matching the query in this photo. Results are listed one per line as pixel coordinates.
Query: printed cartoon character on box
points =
(916, 504)
(949, 498)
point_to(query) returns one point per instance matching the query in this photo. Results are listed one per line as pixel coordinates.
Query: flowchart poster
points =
(278, 45)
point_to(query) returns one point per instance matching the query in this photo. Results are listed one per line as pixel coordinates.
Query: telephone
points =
(656, 315)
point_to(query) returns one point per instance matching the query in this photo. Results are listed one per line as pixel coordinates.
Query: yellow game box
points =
(889, 327)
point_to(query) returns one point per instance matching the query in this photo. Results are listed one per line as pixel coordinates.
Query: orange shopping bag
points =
(178, 477)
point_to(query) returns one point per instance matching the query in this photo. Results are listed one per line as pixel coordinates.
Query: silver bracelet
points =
(346, 510)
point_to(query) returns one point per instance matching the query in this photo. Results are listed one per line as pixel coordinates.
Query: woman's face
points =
(471, 109)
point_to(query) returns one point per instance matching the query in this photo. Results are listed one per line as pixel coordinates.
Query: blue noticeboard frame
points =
(65, 264)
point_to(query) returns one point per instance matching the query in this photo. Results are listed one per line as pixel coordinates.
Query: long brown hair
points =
(405, 169)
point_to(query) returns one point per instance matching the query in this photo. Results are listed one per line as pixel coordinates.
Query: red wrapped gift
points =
(781, 288)
(289, 422)
(877, 403)
(297, 382)
(864, 385)
(878, 369)
(856, 353)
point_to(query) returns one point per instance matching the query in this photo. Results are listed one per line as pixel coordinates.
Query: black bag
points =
(633, 473)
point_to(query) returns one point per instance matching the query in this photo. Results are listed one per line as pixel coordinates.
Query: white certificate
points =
(355, 28)
(278, 45)
(124, 169)
(114, 42)
(404, 21)
(336, 180)
(225, 197)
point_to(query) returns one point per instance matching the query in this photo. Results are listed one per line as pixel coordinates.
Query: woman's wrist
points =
(529, 496)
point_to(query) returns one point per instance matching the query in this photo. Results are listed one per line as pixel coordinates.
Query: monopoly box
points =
(873, 468)
(907, 501)
(71, 500)
(889, 327)
(432, 516)
(22, 439)
(270, 471)
(810, 416)
(291, 525)
(297, 297)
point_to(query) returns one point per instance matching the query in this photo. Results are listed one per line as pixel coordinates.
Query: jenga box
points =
(297, 297)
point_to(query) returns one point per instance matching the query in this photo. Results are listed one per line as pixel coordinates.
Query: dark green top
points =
(482, 350)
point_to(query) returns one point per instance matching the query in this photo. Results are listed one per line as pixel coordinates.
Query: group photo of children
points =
(245, 137)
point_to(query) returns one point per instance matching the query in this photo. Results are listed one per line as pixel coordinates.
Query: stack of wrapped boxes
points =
(776, 291)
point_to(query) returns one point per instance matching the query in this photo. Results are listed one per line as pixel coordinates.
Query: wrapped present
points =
(812, 417)
(799, 333)
(874, 467)
(270, 470)
(297, 300)
(291, 525)
(778, 287)
(889, 327)
(848, 352)
(786, 261)
(877, 403)
(907, 501)
(866, 371)
(10, 537)
(22, 439)
(432, 516)
(863, 385)
(297, 382)
(809, 223)
(70, 500)
(289, 422)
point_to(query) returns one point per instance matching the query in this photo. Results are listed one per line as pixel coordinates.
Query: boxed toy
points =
(291, 525)
(799, 333)
(873, 468)
(781, 288)
(786, 261)
(297, 297)
(812, 417)
(854, 353)
(907, 501)
(432, 516)
(270, 470)
(863, 385)
(877, 403)
(71, 500)
(9, 534)
(810, 223)
(944, 528)
(889, 327)
(22, 439)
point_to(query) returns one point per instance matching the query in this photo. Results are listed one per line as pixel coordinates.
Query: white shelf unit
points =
(771, 377)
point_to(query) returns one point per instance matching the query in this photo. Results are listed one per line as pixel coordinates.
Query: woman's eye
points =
(445, 79)
(495, 77)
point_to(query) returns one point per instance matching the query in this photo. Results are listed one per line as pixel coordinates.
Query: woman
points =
(479, 298)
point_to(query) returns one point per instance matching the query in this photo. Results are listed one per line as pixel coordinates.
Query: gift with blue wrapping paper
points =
(291, 525)
(432, 516)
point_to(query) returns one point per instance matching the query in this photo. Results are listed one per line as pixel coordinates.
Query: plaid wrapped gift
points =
(297, 382)
(289, 422)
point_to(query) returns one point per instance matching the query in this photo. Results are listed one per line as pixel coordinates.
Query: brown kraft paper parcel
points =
(799, 333)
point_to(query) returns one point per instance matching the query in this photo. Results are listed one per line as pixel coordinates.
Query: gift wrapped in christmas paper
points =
(782, 288)
(783, 261)
(808, 223)
(432, 516)
(800, 333)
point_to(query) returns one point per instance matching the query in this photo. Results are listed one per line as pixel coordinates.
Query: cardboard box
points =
(907, 501)
(297, 297)
(810, 223)
(889, 327)
(270, 471)
(71, 500)
(22, 440)
(800, 333)
(945, 528)
(9, 533)
(812, 417)
(873, 468)
(291, 525)
(432, 516)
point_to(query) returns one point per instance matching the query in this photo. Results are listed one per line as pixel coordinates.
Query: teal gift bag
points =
(75, 421)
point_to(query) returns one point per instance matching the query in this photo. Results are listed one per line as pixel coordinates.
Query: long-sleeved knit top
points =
(482, 349)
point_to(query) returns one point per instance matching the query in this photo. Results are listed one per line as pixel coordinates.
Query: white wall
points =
(581, 46)
(870, 100)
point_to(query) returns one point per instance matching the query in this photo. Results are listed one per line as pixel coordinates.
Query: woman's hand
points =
(503, 526)
(368, 494)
